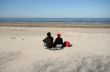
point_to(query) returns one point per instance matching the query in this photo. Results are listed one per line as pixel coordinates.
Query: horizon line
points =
(56, 17)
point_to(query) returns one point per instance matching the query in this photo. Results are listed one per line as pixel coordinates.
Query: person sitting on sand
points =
(58, 43)
(48, 41)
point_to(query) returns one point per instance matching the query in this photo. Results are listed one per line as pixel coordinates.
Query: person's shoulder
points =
(57, 38)
(51, 37)
(60, 38)
(46, 37)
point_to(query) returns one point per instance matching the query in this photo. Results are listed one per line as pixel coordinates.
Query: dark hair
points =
(48, 34)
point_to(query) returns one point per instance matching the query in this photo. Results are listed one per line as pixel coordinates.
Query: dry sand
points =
(21, 50)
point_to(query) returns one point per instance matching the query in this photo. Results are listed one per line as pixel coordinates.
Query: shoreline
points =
(46, 24)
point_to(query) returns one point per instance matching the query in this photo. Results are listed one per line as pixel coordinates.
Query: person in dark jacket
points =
(48, 41)
(58, 41)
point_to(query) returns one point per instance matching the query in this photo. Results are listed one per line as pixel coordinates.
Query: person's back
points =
(48, 40)
(58, 41)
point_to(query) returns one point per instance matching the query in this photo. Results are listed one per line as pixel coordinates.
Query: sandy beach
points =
(21, 50)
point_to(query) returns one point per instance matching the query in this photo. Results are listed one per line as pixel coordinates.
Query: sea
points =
(81, 21)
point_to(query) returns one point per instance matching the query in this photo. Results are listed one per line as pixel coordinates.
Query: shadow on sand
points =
(57, 48)
(53, 49)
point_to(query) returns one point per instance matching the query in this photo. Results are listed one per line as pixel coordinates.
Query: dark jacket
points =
(58, 41)
(49, 42)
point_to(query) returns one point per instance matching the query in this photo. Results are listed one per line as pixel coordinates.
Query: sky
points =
(54, 8)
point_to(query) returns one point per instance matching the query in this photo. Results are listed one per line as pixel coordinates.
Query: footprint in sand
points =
(23, 39)
(13, 37)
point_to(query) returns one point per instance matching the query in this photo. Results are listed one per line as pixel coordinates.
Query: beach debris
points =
(13, 37)
(23, 39)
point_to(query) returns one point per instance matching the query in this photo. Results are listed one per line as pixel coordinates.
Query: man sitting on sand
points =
(48, 41)
(58, 42)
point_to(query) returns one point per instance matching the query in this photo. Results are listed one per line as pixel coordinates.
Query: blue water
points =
(60, 20)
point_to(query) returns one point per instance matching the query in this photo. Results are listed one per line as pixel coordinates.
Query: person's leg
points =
(59, 46)
(45, 44)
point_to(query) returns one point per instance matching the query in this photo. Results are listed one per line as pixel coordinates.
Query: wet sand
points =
(53, 24)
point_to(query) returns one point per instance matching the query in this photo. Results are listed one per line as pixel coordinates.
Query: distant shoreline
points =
(50, 24)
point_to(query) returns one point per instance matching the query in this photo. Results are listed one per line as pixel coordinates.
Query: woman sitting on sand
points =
(58, 42)
(48, 41)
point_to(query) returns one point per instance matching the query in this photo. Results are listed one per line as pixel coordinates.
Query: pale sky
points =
(54, 8)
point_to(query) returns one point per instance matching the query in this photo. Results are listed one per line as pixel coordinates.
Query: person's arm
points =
(62, 40)
(44, 40)
(52, 39)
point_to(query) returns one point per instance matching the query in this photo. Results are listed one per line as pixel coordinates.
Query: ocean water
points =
(60, 20)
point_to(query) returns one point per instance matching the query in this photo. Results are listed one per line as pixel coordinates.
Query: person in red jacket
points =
(58, 43)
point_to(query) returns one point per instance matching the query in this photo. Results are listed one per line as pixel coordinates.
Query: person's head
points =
(58, 35)
(49, 34)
